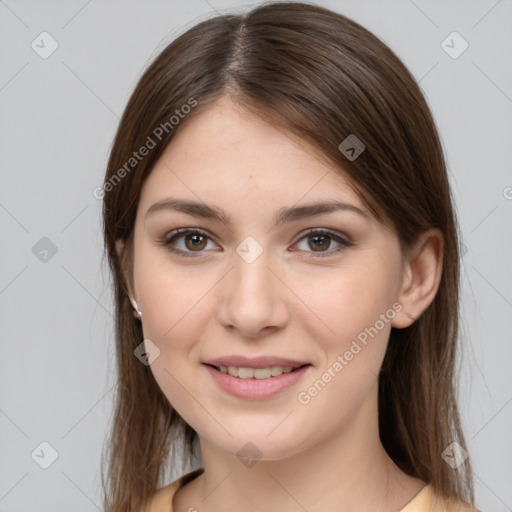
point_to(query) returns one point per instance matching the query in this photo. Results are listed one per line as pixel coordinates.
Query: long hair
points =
(323, 77)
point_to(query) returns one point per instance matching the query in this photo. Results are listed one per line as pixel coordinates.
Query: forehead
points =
(227, 152)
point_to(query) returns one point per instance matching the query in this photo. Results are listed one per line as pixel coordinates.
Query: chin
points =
(261, 446)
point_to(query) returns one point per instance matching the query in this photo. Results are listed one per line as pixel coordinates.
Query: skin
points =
(323, 455)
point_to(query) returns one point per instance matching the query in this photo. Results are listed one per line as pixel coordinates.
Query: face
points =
(316, 293)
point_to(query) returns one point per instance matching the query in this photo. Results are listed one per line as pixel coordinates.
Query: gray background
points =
(59, 115)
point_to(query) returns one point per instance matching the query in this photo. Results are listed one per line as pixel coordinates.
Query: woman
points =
(284, 248)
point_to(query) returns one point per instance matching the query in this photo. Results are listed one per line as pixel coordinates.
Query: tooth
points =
(246, 373)
(233, 371)
(276, 371)
(255, 373)
(262, 373)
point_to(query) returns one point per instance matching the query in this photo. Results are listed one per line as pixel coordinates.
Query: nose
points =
(253, 298)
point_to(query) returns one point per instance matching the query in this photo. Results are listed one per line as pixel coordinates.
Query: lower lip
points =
(256, 388)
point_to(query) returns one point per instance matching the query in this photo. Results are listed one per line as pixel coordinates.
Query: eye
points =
(195, 240)
(321, 239)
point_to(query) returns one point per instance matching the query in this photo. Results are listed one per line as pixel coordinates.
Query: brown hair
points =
(322, 77)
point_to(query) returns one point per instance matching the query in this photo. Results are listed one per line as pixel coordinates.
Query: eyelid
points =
(342, 239)
(338, 237)
(179, 233)
(327, 231)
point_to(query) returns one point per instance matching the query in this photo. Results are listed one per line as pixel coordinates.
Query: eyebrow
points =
(281, 217)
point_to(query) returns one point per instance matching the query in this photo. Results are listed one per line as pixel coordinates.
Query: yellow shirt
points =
(424, 501)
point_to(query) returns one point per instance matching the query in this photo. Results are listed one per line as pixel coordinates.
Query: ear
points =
(423, 267)
(120, 245)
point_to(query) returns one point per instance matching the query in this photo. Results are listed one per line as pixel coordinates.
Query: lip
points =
(254, 362)
(256, 388)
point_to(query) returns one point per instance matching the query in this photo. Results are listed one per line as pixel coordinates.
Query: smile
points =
(256, 383)
(255, 373)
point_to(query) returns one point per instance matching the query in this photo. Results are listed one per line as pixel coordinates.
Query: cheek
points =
(345, 381)
(173, 320)
(171, 300)
(347, 300)
(176, 306)
(352, 321)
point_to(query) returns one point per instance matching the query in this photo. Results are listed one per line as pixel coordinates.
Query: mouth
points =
(245, 372)
(257, 383)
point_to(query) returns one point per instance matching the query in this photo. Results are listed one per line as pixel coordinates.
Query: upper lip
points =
(254, 362)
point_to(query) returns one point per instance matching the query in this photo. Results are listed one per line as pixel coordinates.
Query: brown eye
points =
(194, 241)
(320, 241)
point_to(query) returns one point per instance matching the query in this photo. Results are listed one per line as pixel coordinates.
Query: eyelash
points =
(179, 233)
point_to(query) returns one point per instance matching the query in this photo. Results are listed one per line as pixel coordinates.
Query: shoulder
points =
(162, 499)
(453, 505)
(429, 501)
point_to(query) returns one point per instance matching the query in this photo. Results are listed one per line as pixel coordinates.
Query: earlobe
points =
(421, 278)
(137, 313)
